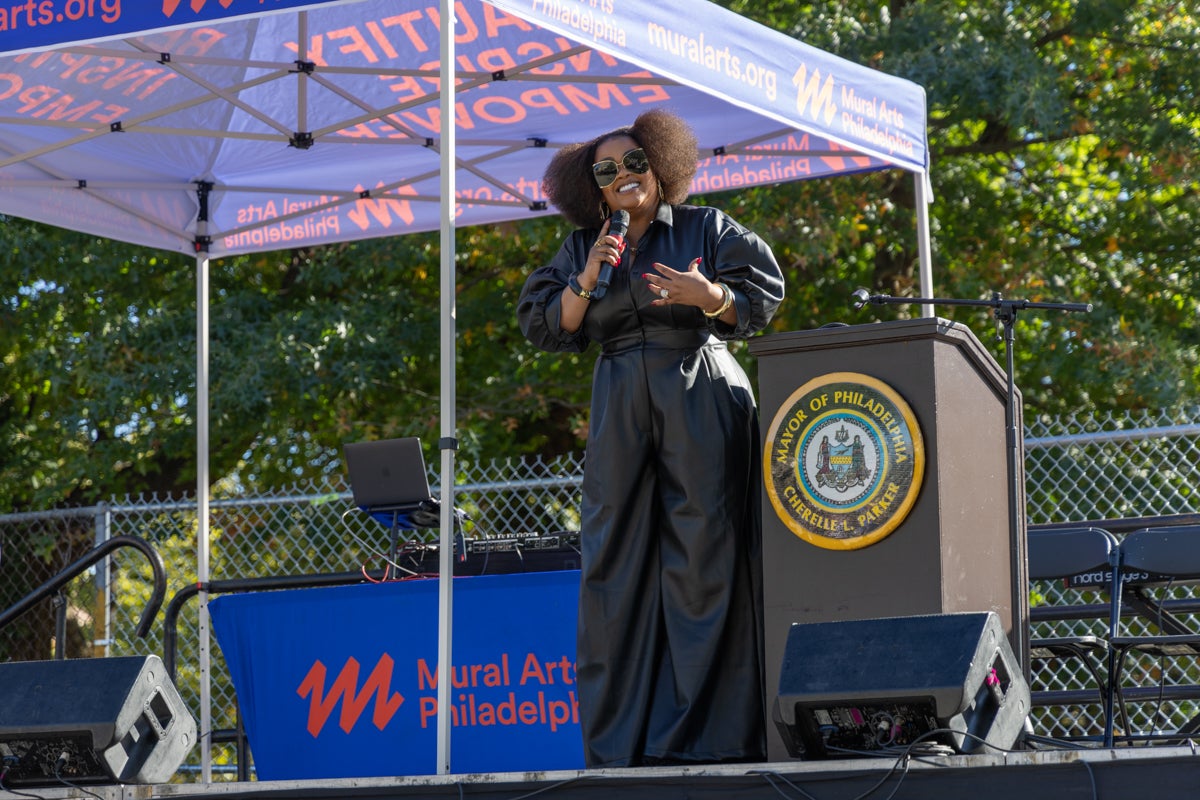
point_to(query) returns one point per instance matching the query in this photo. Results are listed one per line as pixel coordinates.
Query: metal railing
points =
(54, 586)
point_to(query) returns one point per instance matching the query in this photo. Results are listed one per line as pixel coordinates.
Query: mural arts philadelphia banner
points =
(189, 125)
(32, 24)
(720, 53)
(342, 682)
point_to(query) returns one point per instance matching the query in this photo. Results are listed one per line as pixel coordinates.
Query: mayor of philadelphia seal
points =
(845, 461)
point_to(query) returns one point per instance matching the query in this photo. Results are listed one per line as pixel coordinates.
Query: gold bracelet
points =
(725, 304)
(573, 282)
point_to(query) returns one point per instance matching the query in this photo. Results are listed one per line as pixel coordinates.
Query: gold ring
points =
(598, 243)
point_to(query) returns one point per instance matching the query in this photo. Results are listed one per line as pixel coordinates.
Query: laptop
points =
(388, 474)
(389, 482)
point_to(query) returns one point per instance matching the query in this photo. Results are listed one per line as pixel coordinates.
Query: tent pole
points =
(448, 443)
(924, 196)
(202, 510)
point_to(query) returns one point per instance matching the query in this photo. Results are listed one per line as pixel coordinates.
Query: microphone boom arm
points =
(862, 298)
(1006, 317)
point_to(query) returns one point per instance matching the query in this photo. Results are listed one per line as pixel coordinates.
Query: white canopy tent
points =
(214, 128)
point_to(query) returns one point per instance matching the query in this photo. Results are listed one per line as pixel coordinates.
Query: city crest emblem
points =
(845, 461)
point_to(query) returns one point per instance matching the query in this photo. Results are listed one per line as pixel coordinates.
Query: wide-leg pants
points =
(670, 656)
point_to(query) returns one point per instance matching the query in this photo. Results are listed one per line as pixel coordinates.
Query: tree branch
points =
(980, 147)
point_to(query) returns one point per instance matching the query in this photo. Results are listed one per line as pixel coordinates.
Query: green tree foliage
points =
(1065, 140)
(1065, 150)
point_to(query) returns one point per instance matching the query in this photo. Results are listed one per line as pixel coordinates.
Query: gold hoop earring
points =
(662, 198)
(605, 211)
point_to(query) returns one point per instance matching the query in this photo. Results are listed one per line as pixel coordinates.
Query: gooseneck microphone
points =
(618, 226)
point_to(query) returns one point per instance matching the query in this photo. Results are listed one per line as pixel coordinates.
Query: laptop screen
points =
(387, 473)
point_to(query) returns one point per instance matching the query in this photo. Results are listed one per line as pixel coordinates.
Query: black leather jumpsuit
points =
(670, 654)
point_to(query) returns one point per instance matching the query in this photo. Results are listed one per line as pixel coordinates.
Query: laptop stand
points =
(424, 515)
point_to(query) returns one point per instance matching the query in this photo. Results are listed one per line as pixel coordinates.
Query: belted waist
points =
(665, 339)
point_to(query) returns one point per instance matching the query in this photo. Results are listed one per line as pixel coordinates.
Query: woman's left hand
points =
(690, 288)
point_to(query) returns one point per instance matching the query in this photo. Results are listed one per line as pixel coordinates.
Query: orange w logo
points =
(381, 208)
(169, 6)
(345, 688)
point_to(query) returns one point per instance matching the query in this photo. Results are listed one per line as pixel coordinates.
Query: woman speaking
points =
(670, 654)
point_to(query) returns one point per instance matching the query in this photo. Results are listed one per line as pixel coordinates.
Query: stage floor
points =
(1149, 772)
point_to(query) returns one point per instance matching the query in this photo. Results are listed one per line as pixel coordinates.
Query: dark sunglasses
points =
(606, 171)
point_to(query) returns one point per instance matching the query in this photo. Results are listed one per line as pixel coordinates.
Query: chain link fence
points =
(1112, 467)
(1078, 468)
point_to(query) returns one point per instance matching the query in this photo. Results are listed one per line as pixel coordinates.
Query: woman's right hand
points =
(604, 250)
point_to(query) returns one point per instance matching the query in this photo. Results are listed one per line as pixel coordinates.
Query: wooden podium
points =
(917, 521)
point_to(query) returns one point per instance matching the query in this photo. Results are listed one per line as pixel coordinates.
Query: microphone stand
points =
(1006, 318)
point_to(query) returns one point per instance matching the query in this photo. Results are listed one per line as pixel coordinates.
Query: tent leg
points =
(924, 195)
(448, 402)
(202, 510)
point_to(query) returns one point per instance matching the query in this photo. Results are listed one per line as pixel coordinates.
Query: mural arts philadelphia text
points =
(513, 690)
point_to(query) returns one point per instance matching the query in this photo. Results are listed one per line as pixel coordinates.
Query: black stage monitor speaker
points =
(876, 686)
(91, 720)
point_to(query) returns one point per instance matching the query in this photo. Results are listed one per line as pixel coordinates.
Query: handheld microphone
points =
(860, 298)
(618, 226)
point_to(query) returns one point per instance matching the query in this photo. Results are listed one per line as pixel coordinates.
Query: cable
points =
(895, 788)
(373, 551)
(388, 574)
(487, 555)
(1058, 744)
(1162, 661)
(770, 776)
(968, 735)
(63, 757)
(901, 760)
(3, 775)
(904, 757)
(1092, 777)
(392, 567)
(908, 754)
(985, 743)
(549, 788)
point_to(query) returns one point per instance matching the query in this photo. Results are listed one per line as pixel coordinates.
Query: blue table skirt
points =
(342, 681)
